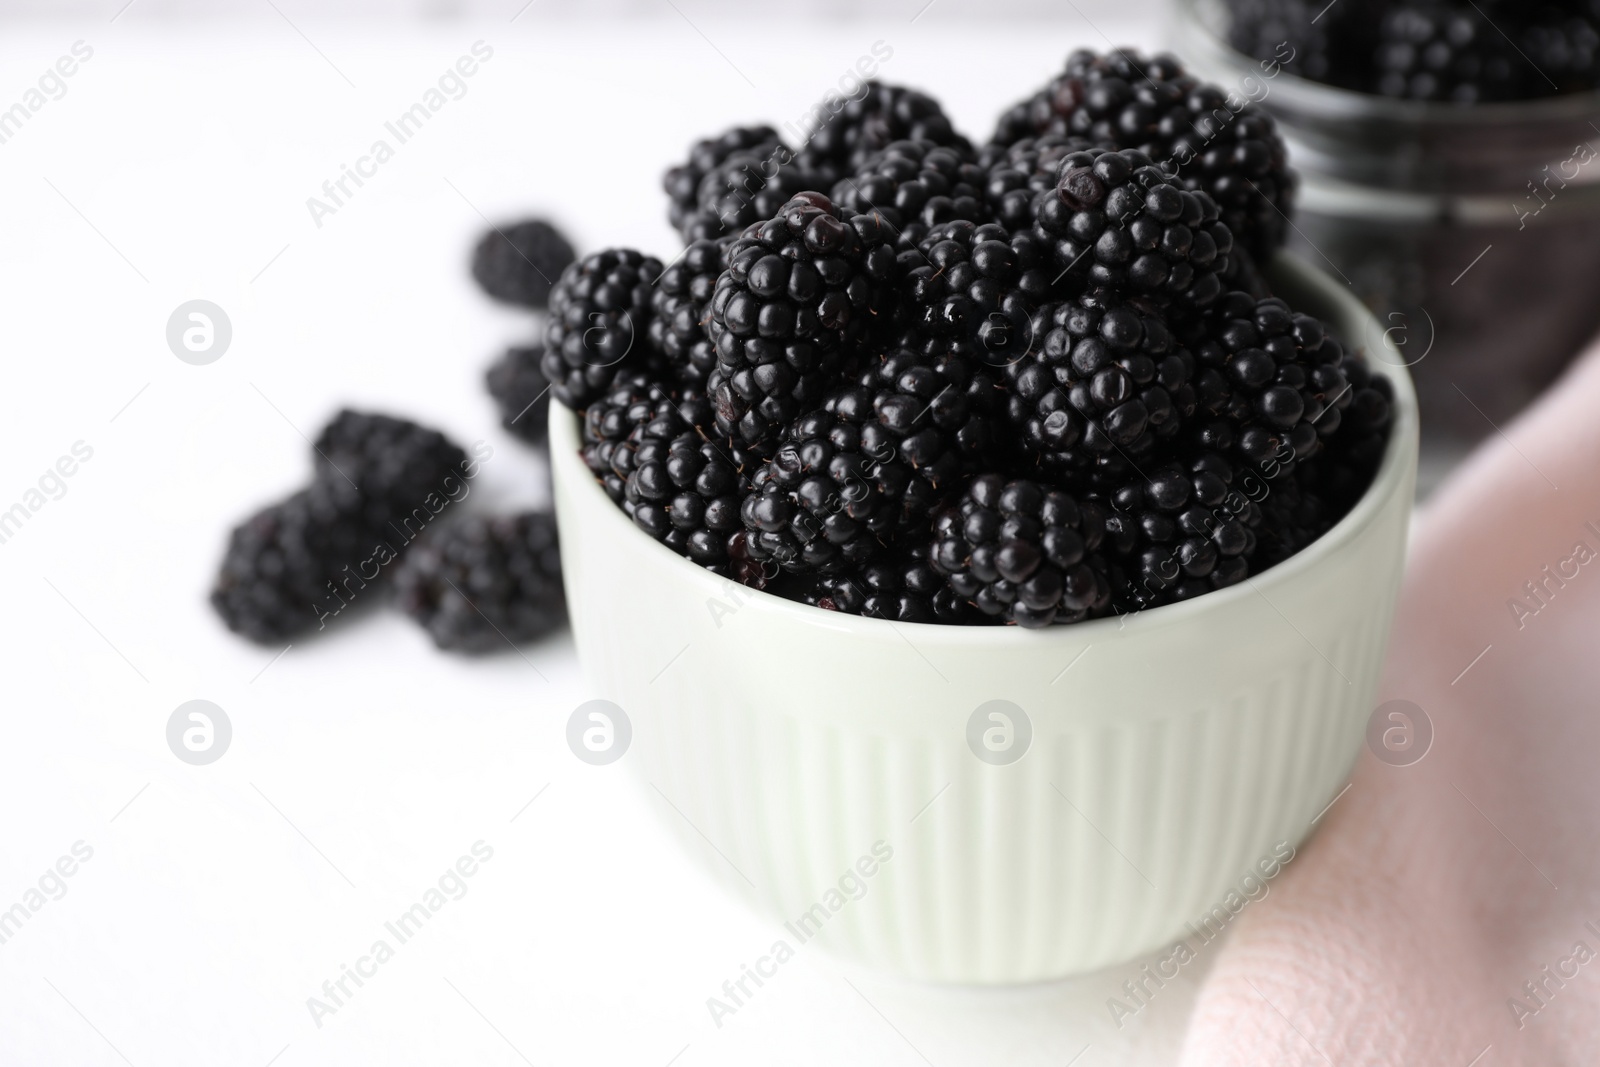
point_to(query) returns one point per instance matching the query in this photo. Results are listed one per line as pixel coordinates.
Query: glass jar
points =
(1473, 232)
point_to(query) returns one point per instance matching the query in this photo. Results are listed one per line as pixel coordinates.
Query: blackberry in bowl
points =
(1007, 493)
(1170, 724)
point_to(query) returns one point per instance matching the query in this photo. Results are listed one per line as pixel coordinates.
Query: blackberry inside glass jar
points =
(1471, 230)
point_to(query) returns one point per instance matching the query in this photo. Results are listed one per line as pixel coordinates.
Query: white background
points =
(363, 763)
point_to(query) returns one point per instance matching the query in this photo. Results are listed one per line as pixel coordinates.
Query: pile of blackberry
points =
(295, 565)
(1452, 51)
(1033, 383)
(382, 508)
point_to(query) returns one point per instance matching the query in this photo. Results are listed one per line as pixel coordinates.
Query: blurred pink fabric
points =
(1436, 898)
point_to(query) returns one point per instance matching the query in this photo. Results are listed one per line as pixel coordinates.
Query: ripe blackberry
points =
(935, 397)
(278, 573)
(1152, 105)
(1294, 513)
(843, 141)
(1341, 475)
(518, 263)
(684, 490)
(393, 464)
(848, 478)
(903, 587)
(977, 283)
(1439, 51)
(1178, 530)
(521, 392)
(1104, 379)
(1023, 551)
(747, 187)
(1016, 173)
(1119, 222)
(485, 583)
(682, 182)
(609, 422)
(599, 321)
(919, 184)
(1270, 381)
(1291, 34)
(680, 310)
(800, 292)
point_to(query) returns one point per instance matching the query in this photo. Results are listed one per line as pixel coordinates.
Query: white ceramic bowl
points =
(1170, 751)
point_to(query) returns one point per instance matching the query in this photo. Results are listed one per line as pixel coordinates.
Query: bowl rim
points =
(1392, 479)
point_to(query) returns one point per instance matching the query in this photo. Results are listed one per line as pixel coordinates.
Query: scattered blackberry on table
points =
(1269, 381)
(521, 392)
(1117, 221)
(903, 587)
(1105, 379)
(1023, 552)
(486, 583)
(1152, 105)
(599, 324)
(379, 481)
(680, 310)
(682, 182)
(800, 293)
(1178, 530)
(393, 464)
(843, 142)
(277, 574)
(920, 184)
(519, 263)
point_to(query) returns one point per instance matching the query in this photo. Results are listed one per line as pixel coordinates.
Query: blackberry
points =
(1118, 221)
(747, 187)
(904, 587)
(1015, 174)
(1290, 33)
(1105, 380)
(599, 322)
(920, 184)
(485, 583)
(935, 397)
(1270, 382)
(1152, 105)
(843, 141)
(1178, 530)
(1351, 456)
(519, 263)
(1294, 513)
(846, 479)
(682, 182)
(680, 310)
(1437, 51)
(393, 464)
(633, 400)
(977, 283)
(799, 295)
(521, 392)
(1023, 552)
(684, 490)
(278, 572)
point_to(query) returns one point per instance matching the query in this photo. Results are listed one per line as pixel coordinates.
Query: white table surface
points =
(363, 763)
